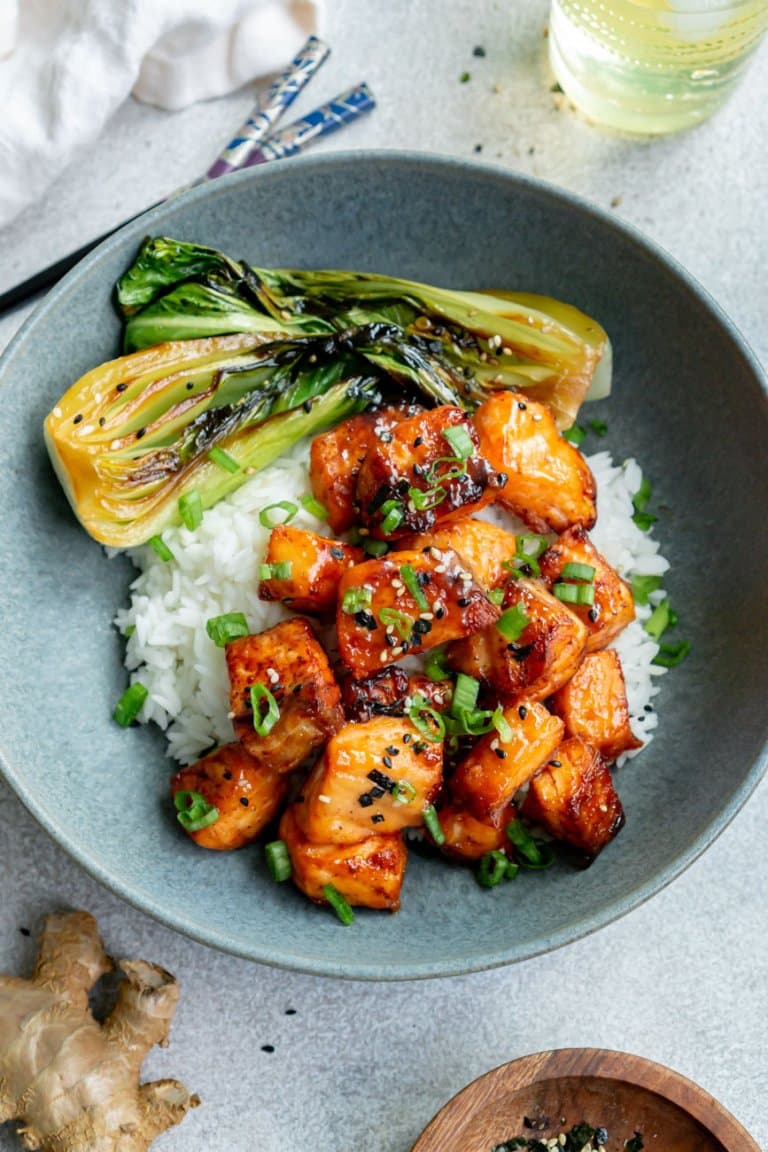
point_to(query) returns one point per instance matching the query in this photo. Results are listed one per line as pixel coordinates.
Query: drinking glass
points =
(652, 65)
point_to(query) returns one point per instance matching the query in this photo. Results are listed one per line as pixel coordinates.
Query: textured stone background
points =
(682, 980)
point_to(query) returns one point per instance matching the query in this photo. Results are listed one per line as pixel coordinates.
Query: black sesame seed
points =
(102, 421)
(365, 800)
(390, 641)
(592, 614)
(307, 406)
(392, 751)
(244, 801)
(121, 388)
(290, 1012)
(78, 418)
(406, 738)
(422, 627)
(227, 775)
(267, 1047)
(463, 601)
(478, 147)
(522, 711)
(141, 432)
(386, 761)
(377, 792)
(521, 406)
(418, 442)
(337, 553)
(377, 819)
(190, 385)
(25, 931)
(439, 613)
(556, 763)
(366, 620)
(500, 753)
(648, 708)
(478, 51)
(419, 747)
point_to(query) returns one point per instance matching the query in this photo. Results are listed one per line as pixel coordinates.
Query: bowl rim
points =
(656, 880)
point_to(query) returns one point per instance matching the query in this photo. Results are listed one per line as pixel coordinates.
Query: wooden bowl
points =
(570, 1086)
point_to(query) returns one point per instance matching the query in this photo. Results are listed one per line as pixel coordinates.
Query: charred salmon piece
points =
(486, 780)
(573, 798)
(613, 606)
(379, 619)
(427, 473)
(542, 658)
(246, 793)
(317, 565)
(549, 484)
(483, 547)
(593, 705)
(389, 693)
(375, 777)
(290, 663)
(368, 873)
(469, 839)
(335, 458)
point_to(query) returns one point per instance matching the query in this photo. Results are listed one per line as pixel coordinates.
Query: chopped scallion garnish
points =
(130, 704)
(355, 600)
(599, 427)
(340, 905)
(642, 586)
(428, 721)
(642, 497)
(279, 571)
(193, 811)
(404, 792)
(574, 593)
(426, 501)
(401, 621)
(263, 722)
(644, 520)
(530, 544)
(532, 853)
(229, 626)
(659, 620)
(512, 623)
(460, 441)
(191, 510)
(496, 596)
(161, 548)
(464, 694)
(392, 520)
(574, 435)
(492, 869)
(278, 860)
(411, 581)
(670, 655)
(434, 665)
(501, 725)
(432, 824)
(224, 460)
(573, 571)
(375, 548)
(312, 505)
(267, 520)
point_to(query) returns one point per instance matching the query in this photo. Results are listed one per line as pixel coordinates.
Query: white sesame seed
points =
(57, 411)
(114, 446)
(397, 584)
(440, 568)
(603, 807)
(272, 676)
(230, 715)
(507, 351)
(383, 656)
(435, 553)
(494, 745)
(250, 470)
(397, 651)
(285, 314)
(323, 798)
(390, 629)
(536, 416)
(427, 616)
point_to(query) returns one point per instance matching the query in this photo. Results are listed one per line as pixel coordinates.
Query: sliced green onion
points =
(496, 596)
(129, 631)
(642, 586)
(464, 694)
(512, 623)
(659, 620)
(162, 549)
(429, 722)
(279, 571)
(432, 824)
(434, 665)
(532, 853)
(278, 860)
(224, 460)
(193, 811)
(642, 497)
(401, 621)
(263, 724)
(287, 506)
(426, 501)
(460, 441)
(393, 516)
(230, 626)
(599, 427)
(531, 545)
(340, 906)
(670, 655)
(404, 792)
(512, 869)
(574, 435)
(492, 869)
(644, 520)
(474, 723)
(310, 504)
(574, 593)
(572, 571)
(411, 581)
(356, 599)
(129, 705)
(501, 725)
(375, 548)
(546, 859)
(434, 476)
(191, 510)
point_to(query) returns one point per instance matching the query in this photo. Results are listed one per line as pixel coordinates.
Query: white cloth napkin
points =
(66, 65)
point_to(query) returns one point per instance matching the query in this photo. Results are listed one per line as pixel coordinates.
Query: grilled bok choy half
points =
(134, 436)
(229, 365)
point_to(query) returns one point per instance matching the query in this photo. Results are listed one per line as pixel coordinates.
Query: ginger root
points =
(71, 1082)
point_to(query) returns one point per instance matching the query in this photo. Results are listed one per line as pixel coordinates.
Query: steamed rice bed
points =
(215, 570)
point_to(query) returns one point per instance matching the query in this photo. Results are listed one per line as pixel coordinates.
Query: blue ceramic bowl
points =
(689, 402)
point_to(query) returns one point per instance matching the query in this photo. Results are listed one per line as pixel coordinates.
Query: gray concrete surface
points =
(684, 979)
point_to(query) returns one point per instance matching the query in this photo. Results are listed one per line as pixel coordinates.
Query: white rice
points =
(215, 570)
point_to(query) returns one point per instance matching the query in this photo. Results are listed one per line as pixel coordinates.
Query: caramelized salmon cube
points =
(317, 565)
(418, 458)
(369, 873)
(467, 838)
(379, 620)
(289, 662)
(593, 705)
(486, 780)
(543, 657)
(483, 547)
(246, 793)
(336, 456)
(613, 606)
(374, 777)
(573, 798)
(549, 484)
(388, 693)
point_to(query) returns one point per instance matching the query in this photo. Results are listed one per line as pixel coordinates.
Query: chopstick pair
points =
(254, 143)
